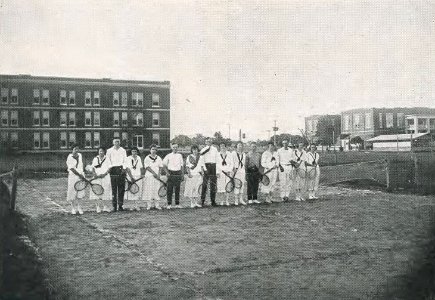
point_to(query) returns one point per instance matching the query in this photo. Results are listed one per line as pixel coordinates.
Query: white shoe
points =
(249, 201)
(168, 207)
(79, 209)
(268, 201)
(98, 209)
(148, 207)
(311, 198)
(105, 209)
(198, 205)
(227, 203)
(192, 205)
(297, 199)
(302, 199)
(242, 202)
(177, 206)
(158, 207)
(314, 197)
(73, 211)
(221, 204)
(256, 201)
(236, 203)
(137, 208)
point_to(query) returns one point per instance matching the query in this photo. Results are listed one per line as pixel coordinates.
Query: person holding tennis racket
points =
(224, 169)
(252, 168)
(298, 160)
(74, 164)
(239, 162)
(174, 166)
(210, 155)
(195, 169)
(285, 174)
(151, 183)
(133, 166)
(117, 156)
(313, 172)
(270, 163)
(100, 169)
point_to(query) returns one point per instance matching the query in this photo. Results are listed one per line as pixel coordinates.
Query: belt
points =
(175, 172)
(210, 163)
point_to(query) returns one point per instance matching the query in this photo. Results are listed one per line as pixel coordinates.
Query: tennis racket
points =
(132, 186)
(97, 189)
(301, 172)
(265, 180)
(163, 190)
(201, 185)
(312, 173)
(233, 183)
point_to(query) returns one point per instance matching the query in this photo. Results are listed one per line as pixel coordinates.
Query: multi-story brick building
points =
(370, 122)
(50, 113)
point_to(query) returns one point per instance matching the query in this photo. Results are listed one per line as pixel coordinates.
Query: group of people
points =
(208, 168)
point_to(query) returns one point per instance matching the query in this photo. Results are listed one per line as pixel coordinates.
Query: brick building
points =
(50, 113)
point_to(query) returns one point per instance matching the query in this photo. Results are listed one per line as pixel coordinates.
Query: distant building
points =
(401, 142)
(41, 113)
(420, 123)
(311, 126)
(365, 123)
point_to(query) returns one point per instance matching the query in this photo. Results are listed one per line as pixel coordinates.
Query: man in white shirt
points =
(210, 156)
(298, 160)
(174, 166)
(117, 157)
(285, 156)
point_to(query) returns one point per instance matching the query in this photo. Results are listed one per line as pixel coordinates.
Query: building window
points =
(138, 141)
(36, 96)
(156, 100)
(72, 118)
(137, 119)
(137, 99)
(156, 119)
(72, 98)
(62, 97)
(96, 139)
(45, 118)
(116, 118)
(46, 140)
(88, 120)
(62, 118)
(5, 118)
(63, 142)
(96, 98)
(14, 96)
(5, 95)
(389, 121)
(381, 123)
(124, 119)
(88, 98)
(45, 97)
(156, 138)
(72, 139)
(368, 120)
(88, 139)
(357, 121)
(115, 98)
(124, 98)
(124, 138)
(36, 118)
(96, 118)
(36, 140)
(400, 120)
(14, 118)
(14, 139)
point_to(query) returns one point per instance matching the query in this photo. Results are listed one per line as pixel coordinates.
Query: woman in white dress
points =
(270, 160)
(239, 165)
(313, 172)
(195, 169)
(224, 164)
(74, 164)
(153, 165)
(101, 166)
(134, 167)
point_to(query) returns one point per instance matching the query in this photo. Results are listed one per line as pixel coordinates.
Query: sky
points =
(240, 64)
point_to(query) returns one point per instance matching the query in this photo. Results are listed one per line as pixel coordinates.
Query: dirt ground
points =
(350, 244)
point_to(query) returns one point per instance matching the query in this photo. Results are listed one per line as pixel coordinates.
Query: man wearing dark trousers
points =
(174, 166)
(210, 155)
(253, 160)
(117, 157)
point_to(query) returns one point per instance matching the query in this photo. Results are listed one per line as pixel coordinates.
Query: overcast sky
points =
(246, 63)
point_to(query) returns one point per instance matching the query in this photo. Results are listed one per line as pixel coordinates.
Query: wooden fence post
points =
(14, 187)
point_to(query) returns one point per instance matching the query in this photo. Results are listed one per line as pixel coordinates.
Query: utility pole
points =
(275, 129)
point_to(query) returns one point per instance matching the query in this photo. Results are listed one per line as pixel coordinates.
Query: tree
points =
(326, 131)
(198, 139)
(219, 139)
(182, 140)
(292, 139)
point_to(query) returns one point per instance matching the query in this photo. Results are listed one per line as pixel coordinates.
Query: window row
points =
(9, 118)
(365, 121)
(92, 98)
(9, 138)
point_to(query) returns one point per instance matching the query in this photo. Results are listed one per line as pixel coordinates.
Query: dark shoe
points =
(114, 209)
(213, 204)
(121, 208)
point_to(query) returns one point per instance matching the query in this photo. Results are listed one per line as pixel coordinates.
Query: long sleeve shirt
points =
(116, 157)
(253, 159)
(269, 159)
(75, 163)
(210, 154)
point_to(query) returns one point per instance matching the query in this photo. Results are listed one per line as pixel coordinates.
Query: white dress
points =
(150, 184)
(224, 164)
(239, 162)
(270, 160)
(135, 165)
(101, 165)
(192, 184)
(313, 172)
(76, 164)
